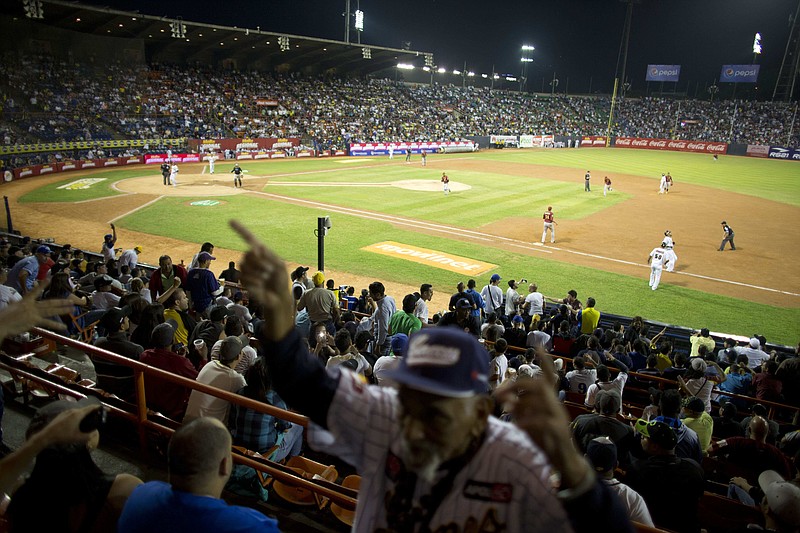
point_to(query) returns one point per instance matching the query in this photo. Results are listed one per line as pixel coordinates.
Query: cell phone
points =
(94, 420)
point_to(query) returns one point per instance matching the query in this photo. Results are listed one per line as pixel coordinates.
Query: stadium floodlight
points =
(441, 70)
(405, 66)
(33, 9)
(283, 42)
(757, 44)
(470, 74)
(527, 60)
(528, 47)
(457, 72)
(359, 20)
(511, 78)
(495, 76)
(484, 76)
(177, 30)
(429, 60)
(366, 53)
(426, 68)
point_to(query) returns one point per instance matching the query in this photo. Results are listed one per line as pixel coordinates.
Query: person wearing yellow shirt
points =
(175, 308)
(588, 317)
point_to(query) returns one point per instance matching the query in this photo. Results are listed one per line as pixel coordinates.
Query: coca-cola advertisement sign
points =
(673, 145)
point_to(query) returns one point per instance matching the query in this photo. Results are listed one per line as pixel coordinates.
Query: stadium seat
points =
(344, 515)
(308, 469)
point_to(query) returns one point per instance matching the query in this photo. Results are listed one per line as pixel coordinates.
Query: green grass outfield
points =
(494, 196)
(52, 193)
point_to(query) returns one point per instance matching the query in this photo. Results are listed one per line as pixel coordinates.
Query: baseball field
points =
(490, 222)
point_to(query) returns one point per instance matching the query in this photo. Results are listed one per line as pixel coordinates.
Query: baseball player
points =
(445, 184)
(237, 175)
(408, 154)
(391, 151)
(211, 160)
(165, 168)
(668, 183)
(173, 176)
(424, 158)
(656, 261)
(662, 186)
(586, 179)
(607, 186)
(549, 224)
(728, 237)
(670, 256)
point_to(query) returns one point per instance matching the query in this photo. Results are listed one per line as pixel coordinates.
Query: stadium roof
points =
(246, 45)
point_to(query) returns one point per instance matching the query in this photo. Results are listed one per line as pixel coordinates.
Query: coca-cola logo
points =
(639, 142)
(716, 148)
(623, 142)
(658, 144)
(680, 145)
(697, 146)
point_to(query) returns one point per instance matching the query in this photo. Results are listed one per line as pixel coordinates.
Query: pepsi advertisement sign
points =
(739, 73)
(663, 72)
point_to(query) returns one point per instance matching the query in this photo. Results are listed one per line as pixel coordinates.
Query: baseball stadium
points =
(373, 164)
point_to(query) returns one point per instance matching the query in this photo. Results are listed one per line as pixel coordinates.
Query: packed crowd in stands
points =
(49, 100)
(693, 429)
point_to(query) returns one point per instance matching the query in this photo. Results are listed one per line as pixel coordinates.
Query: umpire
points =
(165, 169)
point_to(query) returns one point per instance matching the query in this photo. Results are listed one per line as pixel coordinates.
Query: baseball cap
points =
(205, 256)
(518, 318)
(755, 343)
(783, 497)
(608, 401)
(704, 332)
(162, 335)
(694, 404)
(43, 249)
(446, 362)
(230, 349)
(318, 278)
(112, 318)
(602, 452)
(102, 281)
(399, 344)
(658, 432)
(496, 277)
(47, 413)
(108, 236)
(698, 364)
(723, 222)
(299, 271)
(219, 312)
(137, 249)
(463, 303)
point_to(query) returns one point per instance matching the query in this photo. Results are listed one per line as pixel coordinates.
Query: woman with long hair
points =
(61, 288)
(152, 316)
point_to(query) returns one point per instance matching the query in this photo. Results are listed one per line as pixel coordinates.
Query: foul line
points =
(330, 184)
(488, 237)
(327, 171)
(154, 200)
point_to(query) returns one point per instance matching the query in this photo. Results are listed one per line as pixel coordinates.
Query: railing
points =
(139, 414)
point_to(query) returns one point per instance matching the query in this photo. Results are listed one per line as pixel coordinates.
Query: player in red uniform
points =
(549, 224)
(607, 186)
(445, 184)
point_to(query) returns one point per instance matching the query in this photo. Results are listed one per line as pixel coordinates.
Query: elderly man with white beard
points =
(429, 454)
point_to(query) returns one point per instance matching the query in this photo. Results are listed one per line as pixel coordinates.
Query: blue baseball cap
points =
(496, 277)
(444, 361)
(399, 344)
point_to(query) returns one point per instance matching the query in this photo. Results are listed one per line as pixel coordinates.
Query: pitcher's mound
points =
(188, 185)
(430, 185)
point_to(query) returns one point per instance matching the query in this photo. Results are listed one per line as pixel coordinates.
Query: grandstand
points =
(138, 101)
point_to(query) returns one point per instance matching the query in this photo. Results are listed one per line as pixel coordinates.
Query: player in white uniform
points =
(670, 256)
(493, 475)
(662, 186)
(391, 152)
(211, 160)
(656, 261)
(173, 175)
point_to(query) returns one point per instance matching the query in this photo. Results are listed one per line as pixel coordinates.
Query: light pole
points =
(713, 90)
(323, 225)
(553, 84)
(527, 57)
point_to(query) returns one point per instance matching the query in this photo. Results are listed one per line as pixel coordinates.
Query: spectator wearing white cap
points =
(755, 355)
(129, 257)
(697, 382)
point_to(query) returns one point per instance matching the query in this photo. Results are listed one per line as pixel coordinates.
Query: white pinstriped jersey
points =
(505, 487)
(657, 257)
(668, 242)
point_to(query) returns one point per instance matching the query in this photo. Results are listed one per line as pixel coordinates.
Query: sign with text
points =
(443, 260)
(739, 73)
(663, 72)
(672, 145)
(781, 152)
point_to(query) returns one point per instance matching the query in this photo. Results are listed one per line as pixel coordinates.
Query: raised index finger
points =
(244, 233)
(547, 366)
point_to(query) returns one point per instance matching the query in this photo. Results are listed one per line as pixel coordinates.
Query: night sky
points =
(576, 39)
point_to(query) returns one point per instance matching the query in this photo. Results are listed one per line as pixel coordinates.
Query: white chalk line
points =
(329, 184)
(154, 200)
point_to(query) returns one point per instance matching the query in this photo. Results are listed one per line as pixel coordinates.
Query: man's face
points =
(377, 296)
(460, 287)
(166, 266)
(462, 314)
(182, 300)
(427, 295)
(436, 429)
(102, 269)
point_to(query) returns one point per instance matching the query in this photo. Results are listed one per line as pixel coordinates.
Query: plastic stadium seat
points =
(307, 469)
(345, 515)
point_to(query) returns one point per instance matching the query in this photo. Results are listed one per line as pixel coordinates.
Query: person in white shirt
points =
(498, 364)
(604, 381)
(512, 298)
(421, 307)
(656, 260)
(220, 374)
(493, 295)
(130, 257)
(755, 355)
(8, 294)
(581, 378)
(602, 453)
(534, 303)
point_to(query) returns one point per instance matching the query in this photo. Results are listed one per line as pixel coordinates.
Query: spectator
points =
(164, 396)
(588, 317)
(421, 307)
(581, 378)
(199, 463)
(166, 277)
(755, 355)
(404, 321)
(230, 274)
(701, 338)
(113, 377)
(201, 285)
(766, 383)
(604, 382)
(725, 425)
(688, 443)
(695, 417)
(461, 318)
(151, 316)
(320, 303)
(752, 453)
(699, 383)
(219, 374)
(603, 422)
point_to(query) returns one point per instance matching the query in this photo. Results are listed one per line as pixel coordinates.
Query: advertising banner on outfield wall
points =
(663, 73)
(416, 147)
(592, 140)
(669, 144)
(757, 150)
(529, 141)
(780, 152)
(739, 73)
(66, 166)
